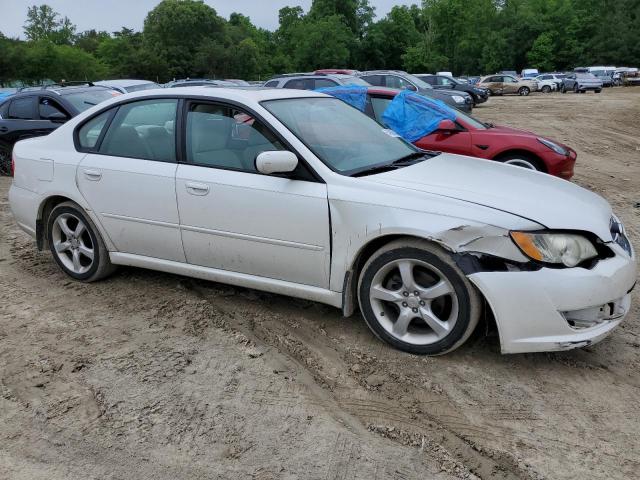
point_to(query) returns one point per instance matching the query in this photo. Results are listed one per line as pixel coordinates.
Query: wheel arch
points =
(522, 151)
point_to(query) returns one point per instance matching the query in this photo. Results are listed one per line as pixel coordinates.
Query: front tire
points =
(522, 160)
(76, 244)
(414, 297)
(524, 91)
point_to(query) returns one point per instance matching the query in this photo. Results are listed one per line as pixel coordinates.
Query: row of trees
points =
(187, 38)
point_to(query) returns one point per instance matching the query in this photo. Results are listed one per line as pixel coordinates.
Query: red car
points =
(468, 136)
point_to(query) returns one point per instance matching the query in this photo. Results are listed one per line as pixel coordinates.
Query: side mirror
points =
(447, 126)
(57, 117)
(279, 161)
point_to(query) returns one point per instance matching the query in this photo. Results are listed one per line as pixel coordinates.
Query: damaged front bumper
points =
(559, 309)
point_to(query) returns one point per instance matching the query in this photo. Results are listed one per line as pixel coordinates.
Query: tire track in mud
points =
(360, 407)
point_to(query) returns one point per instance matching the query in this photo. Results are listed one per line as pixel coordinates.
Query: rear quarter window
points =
(89, 133)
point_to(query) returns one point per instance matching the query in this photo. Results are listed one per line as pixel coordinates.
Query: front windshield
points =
(345, 139)
(87, 99)
(418, 82)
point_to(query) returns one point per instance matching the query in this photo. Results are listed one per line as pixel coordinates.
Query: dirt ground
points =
(153, 376)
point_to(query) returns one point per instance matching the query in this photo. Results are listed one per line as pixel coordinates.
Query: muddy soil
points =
(154, 376)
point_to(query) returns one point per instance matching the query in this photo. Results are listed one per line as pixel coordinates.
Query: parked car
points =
(38, 111)
(403, 80)
(506, 84)
(478, 94)
(313, 81)
(581, 82)
(198, 82)
(546, 83)
(239, 83)
(321, 203)
(128, 86)
(469, 136)
(530, 73)
(605, 78)
(343, 71)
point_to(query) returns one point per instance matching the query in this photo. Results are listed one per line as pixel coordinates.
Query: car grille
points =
(619, 236)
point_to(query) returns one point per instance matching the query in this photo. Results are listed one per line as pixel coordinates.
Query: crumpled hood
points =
(547, 200)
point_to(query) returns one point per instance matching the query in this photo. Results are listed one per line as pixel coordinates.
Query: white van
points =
(530, 73)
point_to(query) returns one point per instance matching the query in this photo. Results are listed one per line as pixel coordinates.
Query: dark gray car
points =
(405, 81)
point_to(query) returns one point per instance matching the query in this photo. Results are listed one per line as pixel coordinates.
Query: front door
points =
(128, 177)
(233, 218)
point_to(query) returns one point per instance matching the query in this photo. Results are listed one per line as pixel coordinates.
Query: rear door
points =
(21, 120)
(128, 176)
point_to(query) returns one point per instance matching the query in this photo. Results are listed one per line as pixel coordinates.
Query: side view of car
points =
(469, 136)
(320, 202)
(198, 82)
(313, 81)
(580, 82)
(506, 84)
(406, 81)
(547, 83)
(38, 111)
(128, 85)
(479, 95)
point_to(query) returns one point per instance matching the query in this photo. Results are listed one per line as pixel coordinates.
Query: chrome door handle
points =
(93, 175)
(197, 188)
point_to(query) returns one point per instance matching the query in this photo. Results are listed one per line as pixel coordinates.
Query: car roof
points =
(59, 90)
(122, 82)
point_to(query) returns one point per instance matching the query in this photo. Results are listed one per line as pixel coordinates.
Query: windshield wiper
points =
(399, 163)
(90, 103)
(489, 125)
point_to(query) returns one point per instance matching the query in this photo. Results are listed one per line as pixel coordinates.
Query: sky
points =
(112, 15)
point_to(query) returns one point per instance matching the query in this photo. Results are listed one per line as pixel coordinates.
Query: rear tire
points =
(414, 297)
(5, 159)
(76, 244)
(546, 89)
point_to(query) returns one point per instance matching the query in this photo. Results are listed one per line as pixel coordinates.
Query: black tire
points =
(100, 266)
(467, 298)
(5, 159)
(598, 91)
(575, 88)
(546, 89)
(563, 88)
(522, 158)
(524, 91)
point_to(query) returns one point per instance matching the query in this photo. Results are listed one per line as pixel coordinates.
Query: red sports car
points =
(469, 136)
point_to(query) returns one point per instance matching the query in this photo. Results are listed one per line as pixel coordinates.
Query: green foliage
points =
(186, 38)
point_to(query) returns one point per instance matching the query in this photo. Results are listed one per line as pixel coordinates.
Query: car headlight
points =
(457, 98)
(568, 249)
(553, 146)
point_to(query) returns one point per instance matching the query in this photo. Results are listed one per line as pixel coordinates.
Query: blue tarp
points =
(354, 95)
(414, 116)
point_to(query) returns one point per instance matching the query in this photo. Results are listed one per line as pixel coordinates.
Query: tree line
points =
(187, 38)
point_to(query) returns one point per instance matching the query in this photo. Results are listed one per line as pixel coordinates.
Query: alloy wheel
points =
(72, 243)
(521, 162)
(414, 301)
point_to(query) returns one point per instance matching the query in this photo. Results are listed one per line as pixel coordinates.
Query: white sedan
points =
(297, 193)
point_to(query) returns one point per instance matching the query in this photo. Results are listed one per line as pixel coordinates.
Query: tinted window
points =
(299, 84)
(143, 130)
(48, 107)
(324, 82)
(87, 99)
(22, 108)
(494, 79)
(376, 80)
(4, 110)
(397, 82)
(90, 132)
(220, 136)
(271, 84)
(445, 81)
(430, 79)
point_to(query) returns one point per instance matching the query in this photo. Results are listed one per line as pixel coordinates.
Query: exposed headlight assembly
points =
(568, 249)
(553, 146)
(457, 98)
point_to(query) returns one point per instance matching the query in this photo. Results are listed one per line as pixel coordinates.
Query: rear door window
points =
(324, 82)
(23, 108)
(48, 107)
(144, 130)
(299, 84)
(376, 80)
(271, 84)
